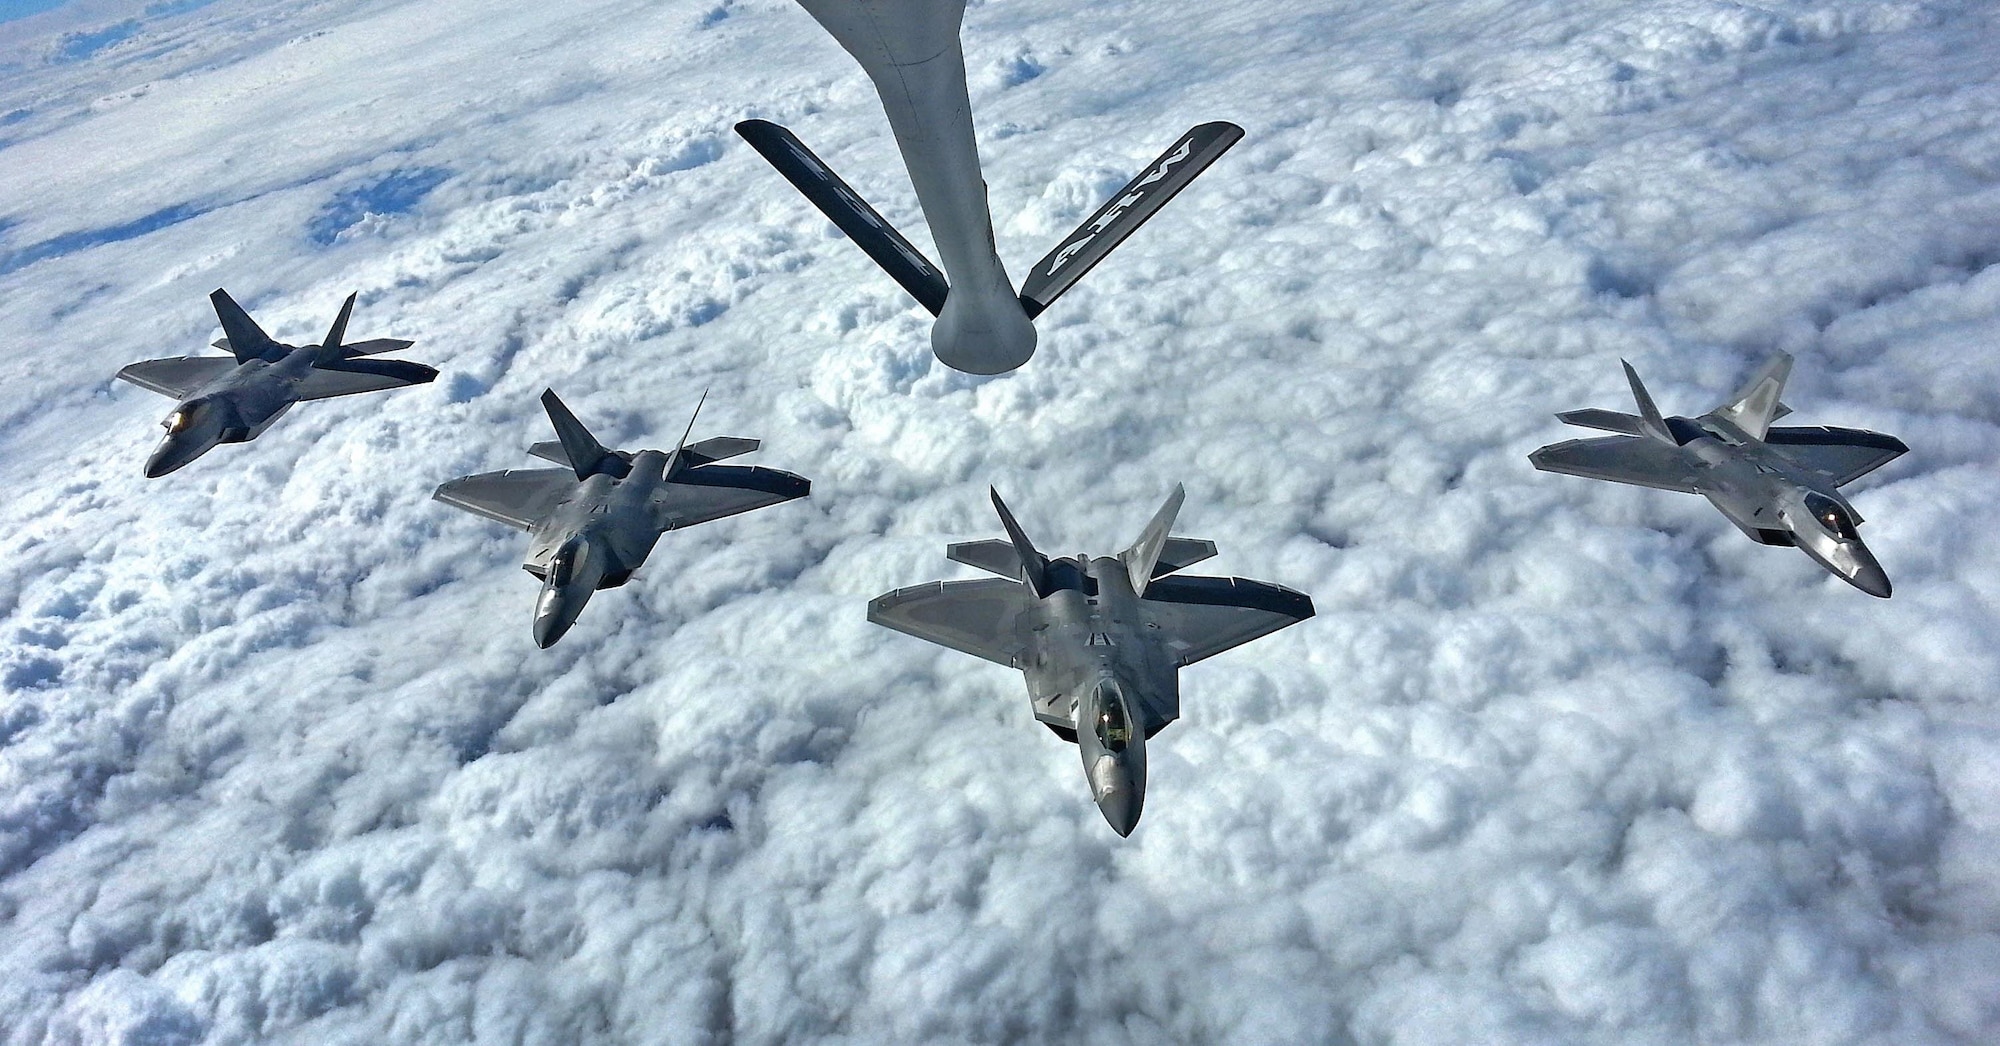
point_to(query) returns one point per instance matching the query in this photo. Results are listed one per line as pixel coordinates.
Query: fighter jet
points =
(910, 49)
(233, 400)
(1101, 641)
(594, 522)
(1781, 486)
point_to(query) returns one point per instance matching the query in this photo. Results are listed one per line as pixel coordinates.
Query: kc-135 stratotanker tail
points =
(910, 50)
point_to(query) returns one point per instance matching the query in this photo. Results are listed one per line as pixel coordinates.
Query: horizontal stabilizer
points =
(1844, 455)
(371, 347)
(1182, 553)
(992, 555)
(1127, 209)
(178, 377)
(1606, 420)
(847, 210)
(717, 448)
(552, 450)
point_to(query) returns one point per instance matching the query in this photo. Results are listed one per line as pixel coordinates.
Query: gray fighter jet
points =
(593, 523)
(910, 49)
(1101, 641)
(233, 399)
(1781, 486)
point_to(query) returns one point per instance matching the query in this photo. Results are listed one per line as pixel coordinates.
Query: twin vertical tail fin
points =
(682, 459)
(1650, 421)
(246, 340)
(1122, 215)
(1034, 565)
(1144, 554)
(586, 456)
(848, 211)
(1755, 407)
(330, 350)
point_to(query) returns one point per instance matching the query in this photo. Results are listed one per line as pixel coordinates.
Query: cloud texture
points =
(1557, 763)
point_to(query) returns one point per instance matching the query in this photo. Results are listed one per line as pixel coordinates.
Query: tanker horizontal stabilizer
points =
(1127, 209)
(847, 210)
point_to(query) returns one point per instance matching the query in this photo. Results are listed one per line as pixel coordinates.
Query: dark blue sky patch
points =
(394, 193)
(86, 238)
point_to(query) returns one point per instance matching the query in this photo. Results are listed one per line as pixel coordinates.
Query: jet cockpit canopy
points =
(1832, 516)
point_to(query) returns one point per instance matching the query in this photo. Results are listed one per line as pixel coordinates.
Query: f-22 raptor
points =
(595, 521)
(1781, 486)
(1101, 641)
(233, 399)
(910, 50)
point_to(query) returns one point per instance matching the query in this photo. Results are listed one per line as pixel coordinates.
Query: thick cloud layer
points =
(1556, 762)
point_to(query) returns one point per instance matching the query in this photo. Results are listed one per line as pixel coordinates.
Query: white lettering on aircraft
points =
(1121, 205)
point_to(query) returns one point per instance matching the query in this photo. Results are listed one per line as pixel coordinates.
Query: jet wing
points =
(1204, 616)
(518, 497)
(973, 617)
(179, 376)
(351, 376)
(1621, 459)
(1844, 454)
(714, 491)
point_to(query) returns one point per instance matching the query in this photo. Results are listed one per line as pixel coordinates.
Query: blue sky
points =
(12, 9)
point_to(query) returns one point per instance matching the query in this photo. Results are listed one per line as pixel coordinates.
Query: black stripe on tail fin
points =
(1127, 209)
(847, 210)
(330, 350)
(246, 340)
(1034, 565)
(586, 456)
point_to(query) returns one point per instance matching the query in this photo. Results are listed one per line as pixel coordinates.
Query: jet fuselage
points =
(594, 539)
(1772, 499)
(1098, 670)
(234, 408)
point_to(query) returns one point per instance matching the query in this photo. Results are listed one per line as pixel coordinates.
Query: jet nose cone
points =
(555, 611)
(1120, 810)
(170, 455)
(1117, 796)
(1872, 579)
(550, 627)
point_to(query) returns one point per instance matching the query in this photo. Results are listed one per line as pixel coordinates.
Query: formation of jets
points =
(1100, 641)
